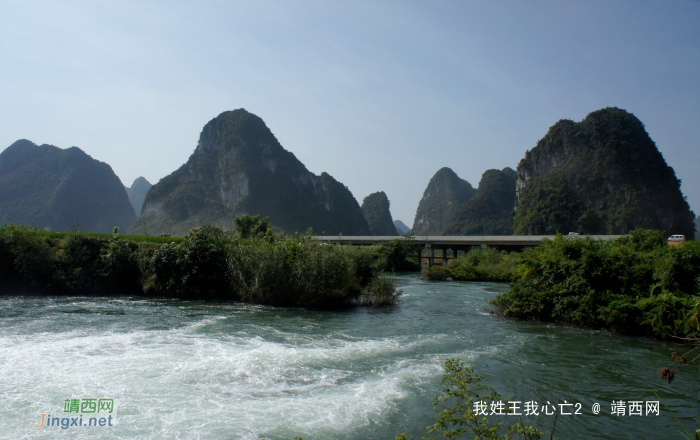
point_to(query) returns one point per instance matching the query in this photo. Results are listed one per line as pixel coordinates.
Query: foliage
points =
(208, 263)
(400, 255)
(462, 389)
(603, 175)
(380, 292)
(636, 284)
(74, 264)
(193, 268)
(435, 273)
(252, 226)
(484, 265)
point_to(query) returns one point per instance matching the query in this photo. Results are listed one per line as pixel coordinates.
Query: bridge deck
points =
(447, 241)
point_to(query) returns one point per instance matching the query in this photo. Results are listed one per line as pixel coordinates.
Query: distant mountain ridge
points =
(137, 193)
(490, 211)
(376, 210)
(444, 193)
(240, 167)
(46, 187)
(603, 175)
(401, 227)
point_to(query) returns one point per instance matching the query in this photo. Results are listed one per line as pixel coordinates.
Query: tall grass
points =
(207, 263)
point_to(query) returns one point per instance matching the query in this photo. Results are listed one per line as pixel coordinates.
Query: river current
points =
(188, 369)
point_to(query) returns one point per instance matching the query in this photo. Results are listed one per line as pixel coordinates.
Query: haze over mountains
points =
(137, 193)
(401, 227)
(603, 175)
(49, 188)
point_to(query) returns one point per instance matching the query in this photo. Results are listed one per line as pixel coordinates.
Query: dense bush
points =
(208, 263)
(380, 292)
(636, 284)
(400, 255)
(73, 264)
(484, 265)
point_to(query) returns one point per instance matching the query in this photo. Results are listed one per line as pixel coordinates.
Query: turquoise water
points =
(187, 369)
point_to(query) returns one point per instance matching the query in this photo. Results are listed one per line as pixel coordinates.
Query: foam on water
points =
(177, 380)
(179, 369)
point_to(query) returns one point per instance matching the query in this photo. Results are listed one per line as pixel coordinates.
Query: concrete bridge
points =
(437, 249)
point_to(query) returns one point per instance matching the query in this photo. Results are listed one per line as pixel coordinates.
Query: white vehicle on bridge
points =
(676, 238)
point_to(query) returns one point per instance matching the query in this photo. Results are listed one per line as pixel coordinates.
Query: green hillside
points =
(603, 175)
(490, 211)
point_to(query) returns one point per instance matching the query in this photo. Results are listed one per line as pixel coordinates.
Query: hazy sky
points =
(380, 94)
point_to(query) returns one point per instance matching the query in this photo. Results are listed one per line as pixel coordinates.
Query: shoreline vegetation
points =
(252, 265)
(637, 284)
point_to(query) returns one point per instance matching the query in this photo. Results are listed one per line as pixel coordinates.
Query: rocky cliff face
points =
(603, 175)
(445, 192)
(137, 193)
(239, 168)
(376, 210)
(490, 211)
(50, 188)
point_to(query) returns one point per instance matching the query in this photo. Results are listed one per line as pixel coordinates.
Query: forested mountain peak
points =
(376, 210)
(603, 175)
(444, 193)
(239, 167)
(489, 212)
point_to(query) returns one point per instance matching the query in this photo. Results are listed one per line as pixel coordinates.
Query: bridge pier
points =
(455, 244)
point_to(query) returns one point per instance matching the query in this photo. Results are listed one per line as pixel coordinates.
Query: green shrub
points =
(484, 265)
(380, 292)
(207, 263)
(636, 284)
(400, 255)
(194, 268)
(435, 273)
(463, 390)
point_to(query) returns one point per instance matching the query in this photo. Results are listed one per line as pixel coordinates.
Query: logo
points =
(97, 412)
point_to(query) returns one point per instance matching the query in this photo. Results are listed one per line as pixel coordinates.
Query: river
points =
(188, 369)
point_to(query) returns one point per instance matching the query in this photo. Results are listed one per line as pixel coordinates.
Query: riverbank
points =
(636, 284)
(206, 264)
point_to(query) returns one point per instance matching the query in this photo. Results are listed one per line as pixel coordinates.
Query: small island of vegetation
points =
(636, 284)
(252, 264)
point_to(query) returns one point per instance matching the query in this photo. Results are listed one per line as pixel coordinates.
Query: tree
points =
(252, 226)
